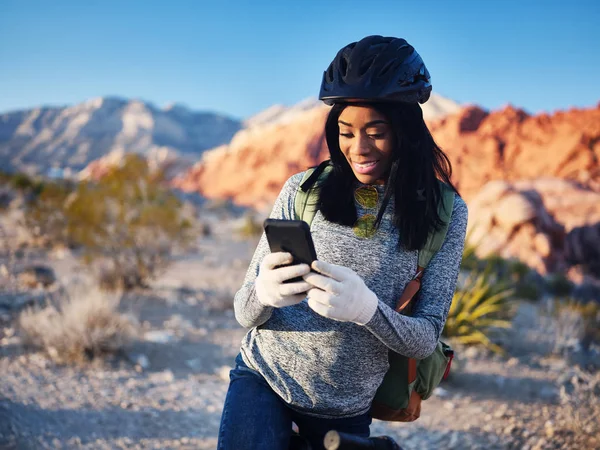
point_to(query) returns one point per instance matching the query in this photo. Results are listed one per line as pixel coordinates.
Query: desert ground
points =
(167, 389)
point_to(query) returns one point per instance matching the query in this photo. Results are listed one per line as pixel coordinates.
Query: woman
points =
(317, 349)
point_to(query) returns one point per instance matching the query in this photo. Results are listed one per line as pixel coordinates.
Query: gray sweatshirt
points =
(332, 369)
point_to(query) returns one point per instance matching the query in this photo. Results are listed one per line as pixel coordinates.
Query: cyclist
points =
(317, 349)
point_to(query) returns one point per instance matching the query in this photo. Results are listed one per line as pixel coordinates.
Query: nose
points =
(360, 144)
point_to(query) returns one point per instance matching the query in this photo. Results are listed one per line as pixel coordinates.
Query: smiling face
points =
(367, 141)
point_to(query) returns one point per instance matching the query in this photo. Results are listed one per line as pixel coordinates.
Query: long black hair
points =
(417, 164)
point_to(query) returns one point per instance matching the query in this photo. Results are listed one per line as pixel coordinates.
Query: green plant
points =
(528, 290)
(22, 182)
(470, 260)
(45, 215)
(496, 264)
(558, 284)
(478, 307)
(130, 219)
(250, 227)
(469, 257)
(518, 269)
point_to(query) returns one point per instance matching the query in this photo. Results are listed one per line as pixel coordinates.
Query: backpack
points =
(408, 381)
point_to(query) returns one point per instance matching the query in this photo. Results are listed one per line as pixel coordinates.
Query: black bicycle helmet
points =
(376, 68)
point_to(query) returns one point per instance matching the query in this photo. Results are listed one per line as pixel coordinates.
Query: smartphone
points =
(292, 236)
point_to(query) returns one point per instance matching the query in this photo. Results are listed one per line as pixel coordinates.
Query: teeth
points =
(366, 164)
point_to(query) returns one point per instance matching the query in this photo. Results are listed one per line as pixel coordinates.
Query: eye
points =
(377, 135)
(346, 135)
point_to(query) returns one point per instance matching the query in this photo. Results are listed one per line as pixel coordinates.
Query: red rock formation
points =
(507, 144)
(254, 166)
(547, 223)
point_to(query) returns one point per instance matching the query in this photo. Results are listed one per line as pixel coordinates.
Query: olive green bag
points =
(408, 381)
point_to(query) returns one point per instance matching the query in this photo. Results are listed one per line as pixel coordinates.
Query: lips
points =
(365, 168)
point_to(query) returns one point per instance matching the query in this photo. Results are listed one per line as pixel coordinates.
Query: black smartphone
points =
(292, 236)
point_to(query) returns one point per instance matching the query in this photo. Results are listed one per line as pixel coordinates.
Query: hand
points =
(339, 293)
(270, 287)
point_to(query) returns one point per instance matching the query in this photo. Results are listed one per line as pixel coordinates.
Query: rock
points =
(513, 210)
(549, 429)
(509, 429)
(195, 364)
(223, 372)
(582, 247)
(166, 376)
(501, 411)
(512, 362)
(139, 360)
(548, 393)
(441, 392)
(542, 244)
(160, 336)
(471, 352)
(529, 226)
(33, 276)
(18, 301)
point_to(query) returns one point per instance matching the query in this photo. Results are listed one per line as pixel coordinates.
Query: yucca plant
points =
(479, 306)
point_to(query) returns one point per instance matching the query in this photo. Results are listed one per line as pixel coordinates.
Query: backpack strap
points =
(432, 246)
(435, 240)
(307, 195)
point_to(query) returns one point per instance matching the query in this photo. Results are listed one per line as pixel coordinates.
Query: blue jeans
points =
(256, 418)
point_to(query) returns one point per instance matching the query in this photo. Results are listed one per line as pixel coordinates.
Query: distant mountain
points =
(436, 107)
(48, 140)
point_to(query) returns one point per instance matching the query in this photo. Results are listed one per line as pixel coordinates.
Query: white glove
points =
(340, 294)
(269, 286)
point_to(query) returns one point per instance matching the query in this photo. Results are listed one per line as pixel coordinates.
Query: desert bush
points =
(81, 325)
(575, 324)
(45, 216)
(580, 398)
(518, 270)
(528, 290)
(469, 258)
(250, 227)
(128, 220)
(480, 306)
(558, 284)
(21, 181)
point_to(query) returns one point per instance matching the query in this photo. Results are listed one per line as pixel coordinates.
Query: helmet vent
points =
(385, 69)
(366, 65)
(343, 66)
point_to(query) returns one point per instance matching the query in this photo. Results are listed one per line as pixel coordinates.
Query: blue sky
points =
(239, 57)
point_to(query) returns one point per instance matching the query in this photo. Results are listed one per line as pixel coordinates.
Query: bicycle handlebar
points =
(335, 440)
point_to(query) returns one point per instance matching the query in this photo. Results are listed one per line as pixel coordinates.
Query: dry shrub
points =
(574, 324)
(580, 398)
(80, 326)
